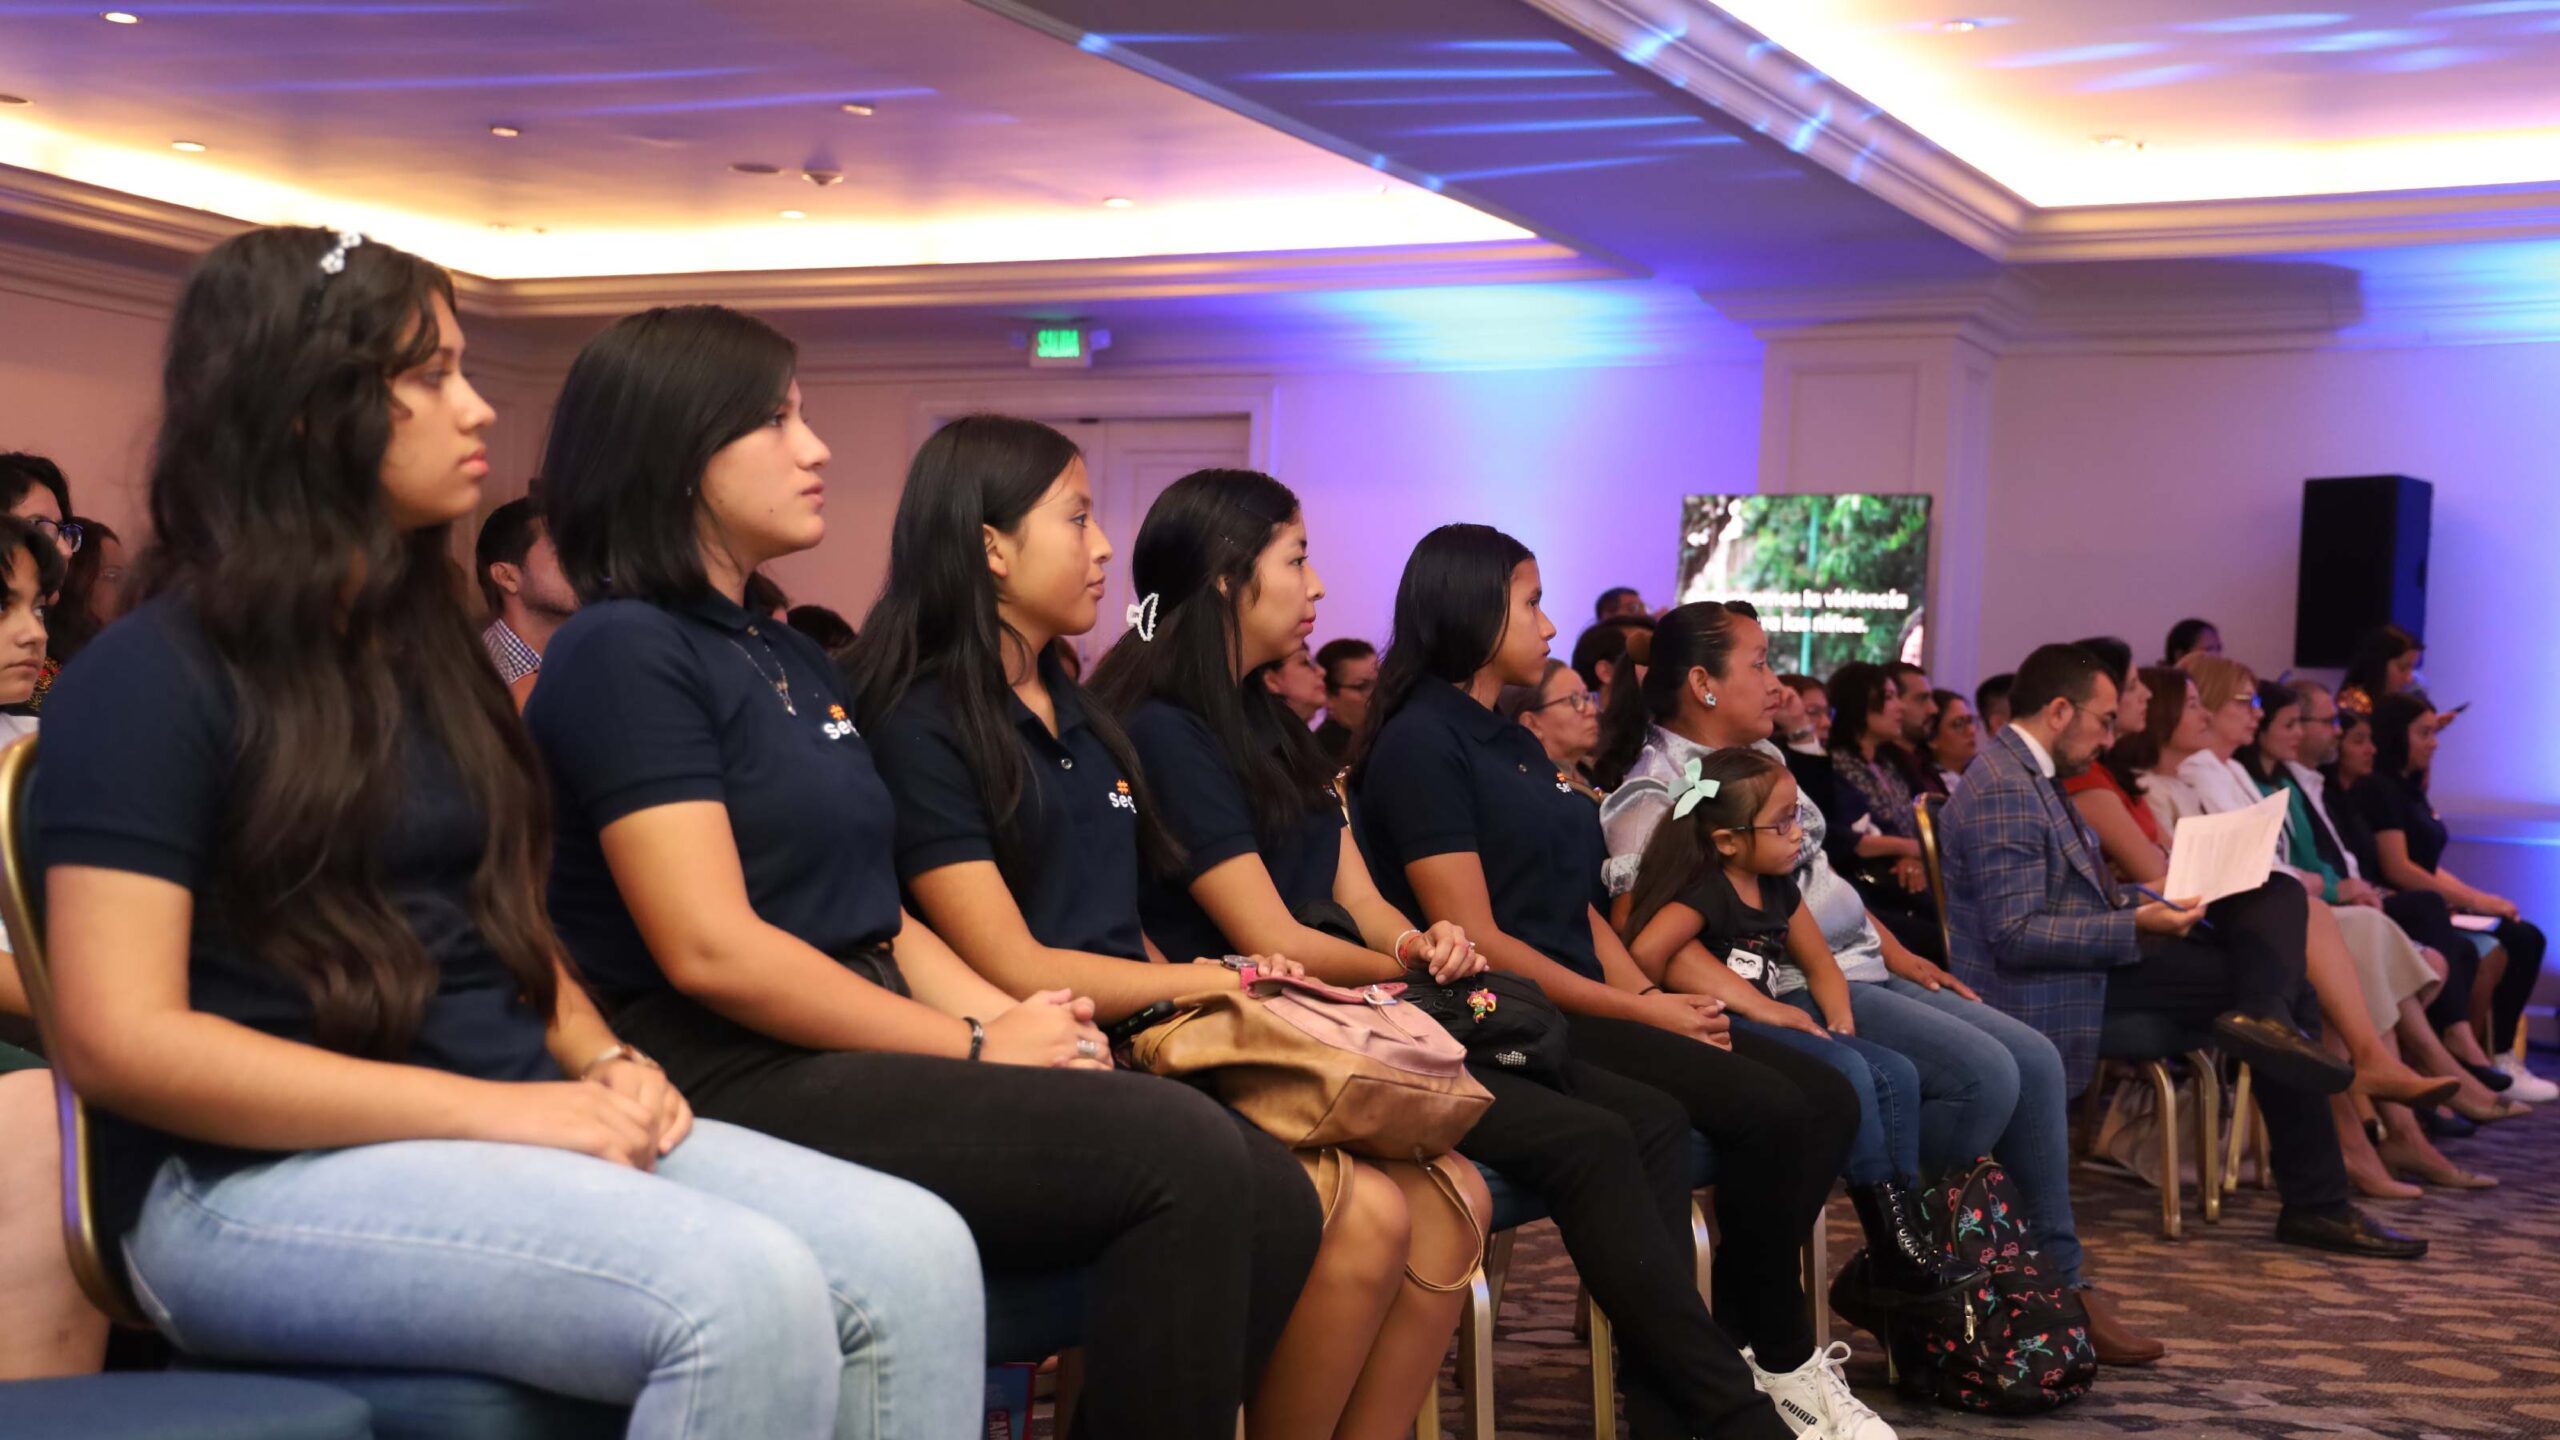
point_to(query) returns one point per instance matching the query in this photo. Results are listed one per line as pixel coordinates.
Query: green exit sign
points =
(1064, 345)
(1057, 344)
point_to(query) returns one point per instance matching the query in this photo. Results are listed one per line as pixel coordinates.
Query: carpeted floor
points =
(2264, 1340)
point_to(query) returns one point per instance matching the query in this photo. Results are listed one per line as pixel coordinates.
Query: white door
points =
(1131, 462)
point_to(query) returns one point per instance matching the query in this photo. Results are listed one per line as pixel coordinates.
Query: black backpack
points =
(2016, 1344)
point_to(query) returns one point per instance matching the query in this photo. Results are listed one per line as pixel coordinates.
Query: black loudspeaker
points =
(2364, 563)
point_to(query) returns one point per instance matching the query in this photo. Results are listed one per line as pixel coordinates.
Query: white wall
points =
(2128, 491)
(81, 383)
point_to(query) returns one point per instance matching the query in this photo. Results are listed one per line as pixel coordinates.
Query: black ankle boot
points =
(1899, 1253)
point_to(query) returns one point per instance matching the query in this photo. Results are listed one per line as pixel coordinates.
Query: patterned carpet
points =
(2264, 1340)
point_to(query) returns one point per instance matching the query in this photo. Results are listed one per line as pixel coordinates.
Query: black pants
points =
(1780, 1124)
(1611, 1161)
(1197, 1229)
(1913, 918)
(2424, 917)
(2250, 960)
(2523, 942)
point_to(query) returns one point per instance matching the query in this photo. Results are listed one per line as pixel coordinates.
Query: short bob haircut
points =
(645, 407)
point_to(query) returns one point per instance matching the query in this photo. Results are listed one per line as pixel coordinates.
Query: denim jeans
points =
(1887, 1146)
(1990, 1084)
(748, 1287)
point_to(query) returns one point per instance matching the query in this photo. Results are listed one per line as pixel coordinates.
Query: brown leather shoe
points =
(2111, 1337)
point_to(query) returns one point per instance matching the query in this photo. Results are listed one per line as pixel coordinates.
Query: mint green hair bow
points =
(1693, 788)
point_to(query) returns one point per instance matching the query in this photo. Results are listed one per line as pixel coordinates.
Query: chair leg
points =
(2166, 1089)
(1497, 1265)
(1704, 1240)
(1604, 1375)
(2265, 1147)
(2241, 1117)
(1475, 1370)
(1817, 1268)
(2208, 1133)
(1067, 1391)
(2093, 1105)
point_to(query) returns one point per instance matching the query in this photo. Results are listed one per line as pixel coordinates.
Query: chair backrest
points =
(1926, 809)
(22, 908)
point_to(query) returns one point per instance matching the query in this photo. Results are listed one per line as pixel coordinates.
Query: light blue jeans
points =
(748, 1287)
(1887, 1145)
(1990, 1084)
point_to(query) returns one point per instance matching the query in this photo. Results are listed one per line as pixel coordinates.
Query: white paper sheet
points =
(2481, 923)
(2216, 855)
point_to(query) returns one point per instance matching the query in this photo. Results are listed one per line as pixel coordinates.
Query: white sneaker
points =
(1815, 1398)
(2530, 1088)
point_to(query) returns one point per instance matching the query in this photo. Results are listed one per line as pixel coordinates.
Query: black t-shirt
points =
(1334, 738)
(1205, 805)
(1751, 940)
(2396, 802)
(1450, 776)
(136, 770)
(641, 706)
(1078, 872)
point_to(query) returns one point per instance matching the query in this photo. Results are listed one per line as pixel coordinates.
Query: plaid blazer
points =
(2030, 906)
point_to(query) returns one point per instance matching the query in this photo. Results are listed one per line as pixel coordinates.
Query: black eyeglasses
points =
(65, 533)
(1790, 824)
(1579, 702)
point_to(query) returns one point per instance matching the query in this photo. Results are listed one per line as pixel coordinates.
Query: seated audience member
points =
(1561, 711)
(2360, 964)
(1989, 1084)
(32, 489)
(1598, 651)
(831, 632)
(1465, 826)
(51, 1329)
(1919, 721)
(520, 581)
(726, 877)
(1954, 737)
(2409, 843)
(1803, 720)
(2469, 953)
(1866, 751)
(2044, 932)
(1812, 708)
(1350, 673)
(2190, 637)
(1991, 703)
(1298, 685)
(1620, 602)
(92, 592)
(994, 558)
(502, 1197)
(2385, 662)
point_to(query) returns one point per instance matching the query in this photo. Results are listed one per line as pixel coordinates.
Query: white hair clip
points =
(1692, 790)
(1142, 617)
(336, 260)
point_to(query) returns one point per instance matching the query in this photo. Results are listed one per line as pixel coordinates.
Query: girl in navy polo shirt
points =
(727, 874)
(1471, 823)
(994, 557)
(293, 840)
(1222, 559)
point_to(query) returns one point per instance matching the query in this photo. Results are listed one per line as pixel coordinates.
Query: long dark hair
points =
(2140, 740)
(2369, 670)
(1208, 527)
(2394, 716)
(1453, 606)
(1858, 690)
(646, 405)
(1683, 847)
(1696, 636)
(936, 616)
(334, 627)
(2182, 639)
(2273, 698)
(73, 621)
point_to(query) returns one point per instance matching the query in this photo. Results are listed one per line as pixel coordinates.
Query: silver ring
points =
(1088, 1050)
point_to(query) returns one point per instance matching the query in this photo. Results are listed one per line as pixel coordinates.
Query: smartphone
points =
(1124, 1029)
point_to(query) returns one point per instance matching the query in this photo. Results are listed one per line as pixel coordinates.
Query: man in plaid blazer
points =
(2042, 930)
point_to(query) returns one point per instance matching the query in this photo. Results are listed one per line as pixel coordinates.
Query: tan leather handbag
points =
(1317, 1066)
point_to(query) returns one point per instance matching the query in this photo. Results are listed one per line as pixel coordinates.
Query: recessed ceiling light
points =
(505, 132)
(121, 17)
(823, 178)
(859, 107)
(1117, 202)
(1959, 27)
(793, 214)
(756, 167)
(190, 147)
(15, 100)
(2115, 142)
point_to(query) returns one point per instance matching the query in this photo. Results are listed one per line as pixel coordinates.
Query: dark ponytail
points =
(1696, 636)
(1452, 606)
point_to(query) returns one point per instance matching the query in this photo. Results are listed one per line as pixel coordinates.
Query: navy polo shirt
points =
(1077, 884)
(1447, 776)
(1204, 803)
(137, 775)
(643, 705)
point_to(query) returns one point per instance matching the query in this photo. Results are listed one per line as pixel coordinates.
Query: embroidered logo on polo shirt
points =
(838, 725)
(1121, 799)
